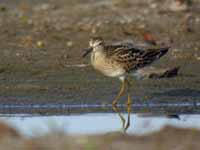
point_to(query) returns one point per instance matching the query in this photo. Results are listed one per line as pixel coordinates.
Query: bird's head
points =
(94, 44)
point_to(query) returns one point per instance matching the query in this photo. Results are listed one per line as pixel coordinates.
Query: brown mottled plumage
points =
(133, 58)
(121, 60)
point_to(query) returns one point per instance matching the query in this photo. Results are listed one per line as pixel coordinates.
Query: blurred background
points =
(41, 46)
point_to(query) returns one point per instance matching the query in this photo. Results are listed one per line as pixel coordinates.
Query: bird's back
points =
(132, 58)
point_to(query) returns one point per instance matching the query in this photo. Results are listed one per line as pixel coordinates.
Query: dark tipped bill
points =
(87, 51)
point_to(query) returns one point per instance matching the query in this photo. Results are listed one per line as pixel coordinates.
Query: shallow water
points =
(95, 123)
(162, 107)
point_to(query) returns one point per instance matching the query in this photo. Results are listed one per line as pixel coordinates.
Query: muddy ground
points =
(41, 46)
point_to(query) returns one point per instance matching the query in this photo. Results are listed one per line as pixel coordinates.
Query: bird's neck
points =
(97, 53)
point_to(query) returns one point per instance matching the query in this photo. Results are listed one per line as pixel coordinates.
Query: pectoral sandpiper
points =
(120, 61)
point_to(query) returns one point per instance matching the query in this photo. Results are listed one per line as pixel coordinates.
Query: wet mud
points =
(41, 46)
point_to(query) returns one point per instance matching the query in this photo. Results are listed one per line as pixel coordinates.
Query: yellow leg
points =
(125, 125)
(129, 97)
(129, 102)
(129, 112)
(120, 93)
(120, 116)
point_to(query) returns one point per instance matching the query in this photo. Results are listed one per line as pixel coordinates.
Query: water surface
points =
(95, 123)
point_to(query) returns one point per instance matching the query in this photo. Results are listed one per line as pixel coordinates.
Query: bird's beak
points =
(87, 51)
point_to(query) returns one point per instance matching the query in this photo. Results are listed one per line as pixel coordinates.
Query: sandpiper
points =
(120, 61)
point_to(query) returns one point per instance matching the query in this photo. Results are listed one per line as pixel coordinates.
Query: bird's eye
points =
(100, 43)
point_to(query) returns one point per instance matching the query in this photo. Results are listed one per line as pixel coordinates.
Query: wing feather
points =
(132, 58)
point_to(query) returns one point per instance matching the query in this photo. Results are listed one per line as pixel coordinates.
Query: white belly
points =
(106, 66)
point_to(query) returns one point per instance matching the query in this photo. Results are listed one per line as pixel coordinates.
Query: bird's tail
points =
(153, 54)
(162, 51)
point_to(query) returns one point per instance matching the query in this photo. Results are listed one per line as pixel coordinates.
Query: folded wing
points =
(134, 58)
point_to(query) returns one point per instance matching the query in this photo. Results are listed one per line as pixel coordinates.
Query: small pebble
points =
(153, 5)
(17, 54)
(177, 5)
(40, 44)
(70, 44)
